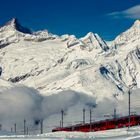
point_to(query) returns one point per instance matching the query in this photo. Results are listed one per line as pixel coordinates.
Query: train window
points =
(137, 118)
(111, 122)
(103, 124)
(132, 118)
(87, 126)
(77, 128)
(121, 121)
(96, 125)
(82, 127)
(125, 120)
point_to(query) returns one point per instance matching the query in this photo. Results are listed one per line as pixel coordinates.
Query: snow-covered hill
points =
(89, 70)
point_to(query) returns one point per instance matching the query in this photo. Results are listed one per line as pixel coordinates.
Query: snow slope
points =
(117, 134)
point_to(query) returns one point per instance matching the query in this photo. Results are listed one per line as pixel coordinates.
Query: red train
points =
(103, 125)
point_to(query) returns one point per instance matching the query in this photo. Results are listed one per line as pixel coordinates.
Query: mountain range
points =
(53, 64)
(49, 61)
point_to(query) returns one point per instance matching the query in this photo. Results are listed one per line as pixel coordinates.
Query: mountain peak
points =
(137, 22)
(136, 25)
(130, 35)
(90, 35)
(14, 23)
(94, 41)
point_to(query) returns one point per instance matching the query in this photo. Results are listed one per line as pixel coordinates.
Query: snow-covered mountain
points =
(47, 61)
(85, 67)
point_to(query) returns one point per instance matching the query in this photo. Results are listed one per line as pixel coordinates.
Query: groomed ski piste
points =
(132, 133)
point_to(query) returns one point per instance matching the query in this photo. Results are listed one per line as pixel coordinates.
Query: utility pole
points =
(41, 126)
(129, 119)
(90, 120)
(0, 127)
(60, 123)
(27, 130)
(114, 113)
(129, 103)
(15, 128)
(24, 127)
(84, 116)
(62, 117)
(115, 116)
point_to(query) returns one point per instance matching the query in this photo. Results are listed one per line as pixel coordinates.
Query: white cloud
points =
(19, 103)
(132, 13)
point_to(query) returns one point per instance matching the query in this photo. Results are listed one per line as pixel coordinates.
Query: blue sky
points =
(108, 18)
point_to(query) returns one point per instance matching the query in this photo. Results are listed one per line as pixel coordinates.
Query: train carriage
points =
(103, 125)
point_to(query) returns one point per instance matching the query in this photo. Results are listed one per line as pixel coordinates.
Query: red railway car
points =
(103, 125)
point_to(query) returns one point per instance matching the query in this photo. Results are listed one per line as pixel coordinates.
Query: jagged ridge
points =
(14, 23)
